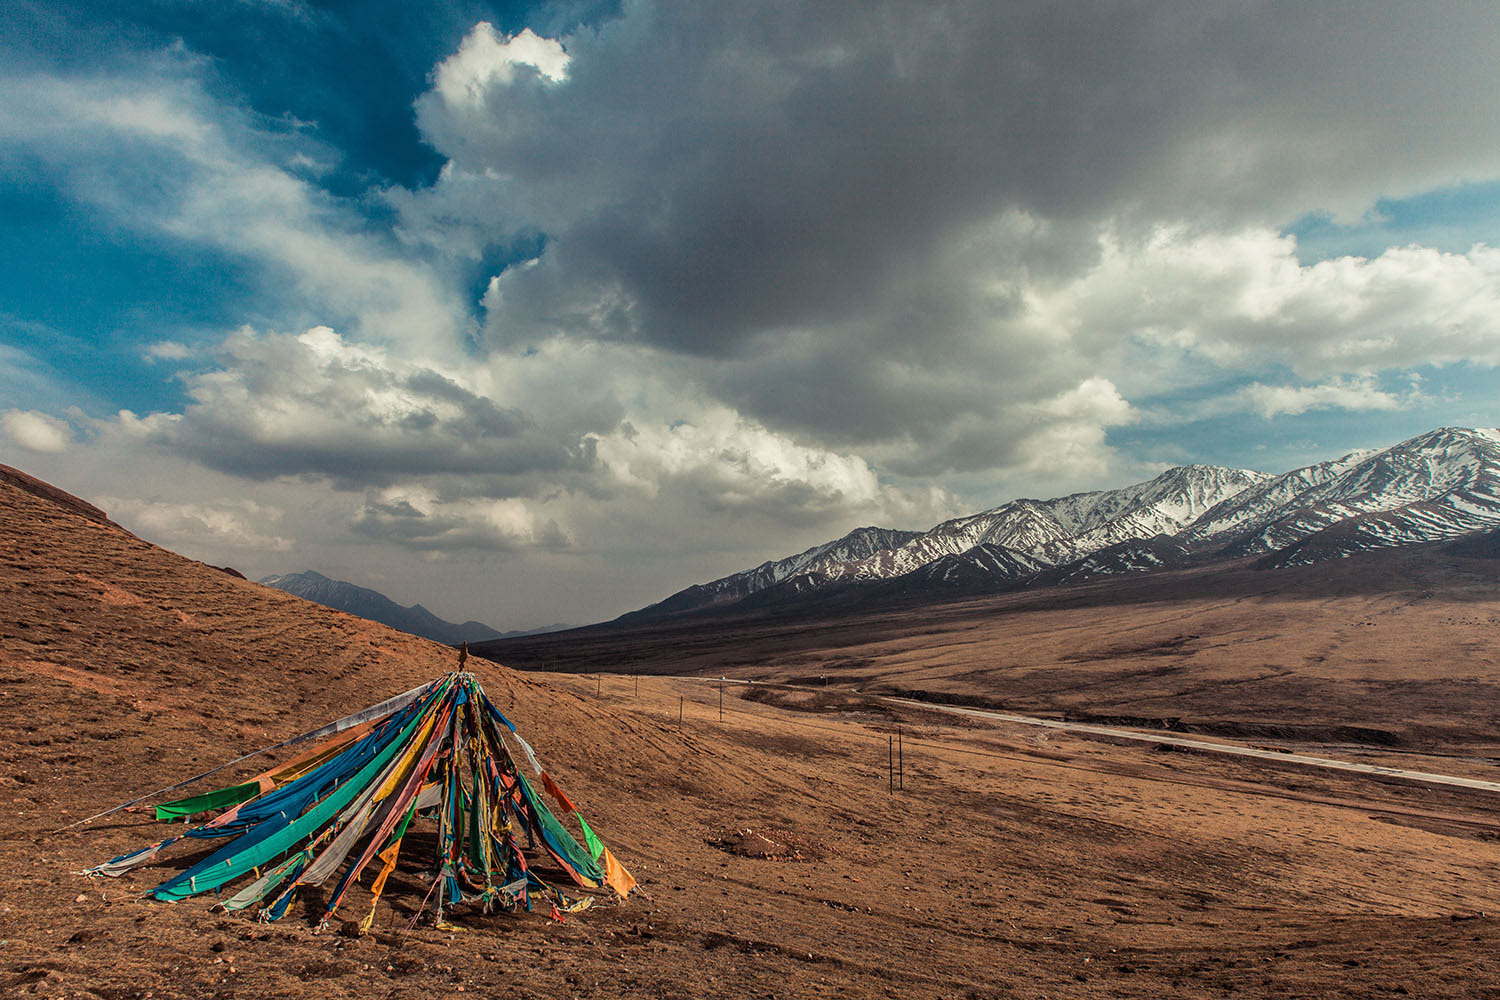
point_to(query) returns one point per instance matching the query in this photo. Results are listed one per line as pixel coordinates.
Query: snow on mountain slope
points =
(1034, 534)
(858, 544)
(1022, 525)
(1061, 530)
(1163, 506)
(983, 565)
(1439, 485)
(1266, 500)
(1136, 555)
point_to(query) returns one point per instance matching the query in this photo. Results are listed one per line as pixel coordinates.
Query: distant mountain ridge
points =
(1437, 486)
(366, 603)
(861, 543)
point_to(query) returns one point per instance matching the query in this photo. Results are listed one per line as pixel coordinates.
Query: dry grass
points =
(1012, 865)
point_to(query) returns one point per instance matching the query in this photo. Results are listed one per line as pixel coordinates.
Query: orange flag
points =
(615, 875)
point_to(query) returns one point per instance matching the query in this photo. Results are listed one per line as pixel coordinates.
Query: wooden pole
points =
(721, 699)
(679, 709)
(890, 766)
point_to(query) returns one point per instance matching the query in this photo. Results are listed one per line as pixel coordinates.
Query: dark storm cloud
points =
(728, 171)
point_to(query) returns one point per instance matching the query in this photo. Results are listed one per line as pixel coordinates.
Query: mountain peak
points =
(366, 603)
(305, 576)
(1434, 486)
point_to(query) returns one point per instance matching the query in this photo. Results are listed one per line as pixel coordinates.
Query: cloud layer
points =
(35, 432)
(316, 404)
(893, 231)
(701, 284)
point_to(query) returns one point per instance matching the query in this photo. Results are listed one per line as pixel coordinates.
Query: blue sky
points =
(537, 312)
(1451, 218)
(82, 295)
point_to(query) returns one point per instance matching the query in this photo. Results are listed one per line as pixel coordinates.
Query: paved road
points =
(1204, 746)
(1207, 746)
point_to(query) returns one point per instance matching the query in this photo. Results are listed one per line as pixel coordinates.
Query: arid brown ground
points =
(1012, 864)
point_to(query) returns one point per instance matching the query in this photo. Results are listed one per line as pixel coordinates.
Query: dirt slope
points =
(1009, 866)
(28, 483)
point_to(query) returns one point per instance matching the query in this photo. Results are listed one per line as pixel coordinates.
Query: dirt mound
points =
(769, 845)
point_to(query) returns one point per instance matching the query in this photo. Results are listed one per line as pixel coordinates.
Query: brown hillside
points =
(774, 860)
(31, 484)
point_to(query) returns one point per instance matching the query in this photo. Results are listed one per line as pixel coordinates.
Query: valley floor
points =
(1012, 864)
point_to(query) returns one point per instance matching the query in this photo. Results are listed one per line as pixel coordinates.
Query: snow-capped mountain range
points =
(1437, 486)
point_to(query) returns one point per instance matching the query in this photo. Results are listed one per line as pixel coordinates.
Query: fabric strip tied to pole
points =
(387, 707)
(438, 752)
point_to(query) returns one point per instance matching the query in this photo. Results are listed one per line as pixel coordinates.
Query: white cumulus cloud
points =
(737, 465)
(417, 517)
(36, 432)
(317, 404)
(199, 526)
(486, 59)
(1355, 395)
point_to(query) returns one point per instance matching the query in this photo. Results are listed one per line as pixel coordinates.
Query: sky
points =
(537, 313)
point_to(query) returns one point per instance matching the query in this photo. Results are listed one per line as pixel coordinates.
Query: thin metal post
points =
(900, 760)
(598, 686)
(679, 709)
(721, 699)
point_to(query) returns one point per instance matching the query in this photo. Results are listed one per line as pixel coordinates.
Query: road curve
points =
(1204, 746)
(1207, 746)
